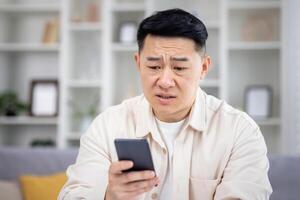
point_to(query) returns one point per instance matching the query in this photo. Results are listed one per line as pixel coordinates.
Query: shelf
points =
(209, 83)
(29, 47)
(124, 47)
(269, 122)
(27, 120)
(253, 4)
(85, 87)
(84, 83)
(127, 7)
(29, 8)
(86, 26)
(254, 45)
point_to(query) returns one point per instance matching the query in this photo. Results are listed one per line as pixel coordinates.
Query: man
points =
(202, 148)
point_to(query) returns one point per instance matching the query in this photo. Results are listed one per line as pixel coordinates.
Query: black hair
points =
(173, 23)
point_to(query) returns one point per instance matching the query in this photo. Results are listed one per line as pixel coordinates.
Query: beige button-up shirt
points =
(219, 154)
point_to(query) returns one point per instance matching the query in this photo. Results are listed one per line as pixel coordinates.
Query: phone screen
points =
(137, 151)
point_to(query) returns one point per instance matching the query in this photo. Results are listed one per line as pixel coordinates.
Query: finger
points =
(118, 167)
(139, 185)
(136, 176)
(138, 192)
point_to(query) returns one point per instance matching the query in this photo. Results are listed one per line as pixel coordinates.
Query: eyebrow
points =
(154, 58)
(184, 59)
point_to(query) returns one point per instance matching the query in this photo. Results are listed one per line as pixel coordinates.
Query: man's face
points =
(170, 70)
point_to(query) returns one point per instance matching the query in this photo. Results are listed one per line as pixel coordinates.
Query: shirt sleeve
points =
(88, 177)
(246, 173)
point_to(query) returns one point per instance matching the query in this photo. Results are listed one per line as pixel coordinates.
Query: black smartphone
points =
(136, 150)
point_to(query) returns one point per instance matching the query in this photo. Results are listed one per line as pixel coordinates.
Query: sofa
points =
(284, 171)
(284, 175)
(15, 162)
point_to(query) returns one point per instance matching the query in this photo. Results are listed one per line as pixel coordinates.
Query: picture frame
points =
(44, 98)
(258, 101)
(127, 32)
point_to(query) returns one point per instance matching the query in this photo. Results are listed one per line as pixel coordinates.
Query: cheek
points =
(191, 80)
(150, 77)
(148, 80)
(188, 86)
(195, 77)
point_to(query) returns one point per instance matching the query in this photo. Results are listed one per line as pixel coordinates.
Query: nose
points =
(166, 79)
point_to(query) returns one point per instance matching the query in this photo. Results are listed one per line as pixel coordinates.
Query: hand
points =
(128, 185)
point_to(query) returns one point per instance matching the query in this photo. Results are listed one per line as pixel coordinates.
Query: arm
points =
(94, 176)
(88, 177)
(246, 173)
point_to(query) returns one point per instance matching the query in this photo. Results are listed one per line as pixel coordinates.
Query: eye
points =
(177, 68)
(156, 67)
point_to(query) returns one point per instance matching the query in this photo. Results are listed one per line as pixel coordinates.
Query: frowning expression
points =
(170, 69)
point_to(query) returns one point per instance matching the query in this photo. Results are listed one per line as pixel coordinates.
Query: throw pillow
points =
(42, 187)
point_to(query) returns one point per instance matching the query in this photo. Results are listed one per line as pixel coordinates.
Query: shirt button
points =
(154, 196)
(164, 151)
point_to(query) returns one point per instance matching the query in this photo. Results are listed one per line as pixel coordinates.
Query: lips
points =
(165, 99)
(165, 96)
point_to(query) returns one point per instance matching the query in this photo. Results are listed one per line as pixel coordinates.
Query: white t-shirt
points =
(169, 132)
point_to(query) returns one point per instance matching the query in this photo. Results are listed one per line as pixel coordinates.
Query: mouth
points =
(166, 96)
(165, 99)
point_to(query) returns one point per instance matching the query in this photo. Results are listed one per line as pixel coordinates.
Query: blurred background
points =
(62, 62)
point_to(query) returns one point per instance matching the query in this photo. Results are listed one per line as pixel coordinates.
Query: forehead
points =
(158, 45)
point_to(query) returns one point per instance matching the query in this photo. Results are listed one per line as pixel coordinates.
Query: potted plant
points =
(10, 105)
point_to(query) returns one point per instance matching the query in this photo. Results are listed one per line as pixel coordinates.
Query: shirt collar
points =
(146, 120)
(197, 117)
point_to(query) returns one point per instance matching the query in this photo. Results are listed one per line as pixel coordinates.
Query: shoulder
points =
(114, 120)
(237, 119)
(119, 114)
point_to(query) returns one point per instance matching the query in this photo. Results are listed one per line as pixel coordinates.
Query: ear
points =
(137, 60)
(206, 64)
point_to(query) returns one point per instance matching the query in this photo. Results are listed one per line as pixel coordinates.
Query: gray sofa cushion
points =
(284, 176)
(284, 171)
(38, 161)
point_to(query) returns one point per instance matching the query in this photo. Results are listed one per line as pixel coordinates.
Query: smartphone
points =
(137, 151)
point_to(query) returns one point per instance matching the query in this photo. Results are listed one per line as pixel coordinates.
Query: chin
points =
(165, 110)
